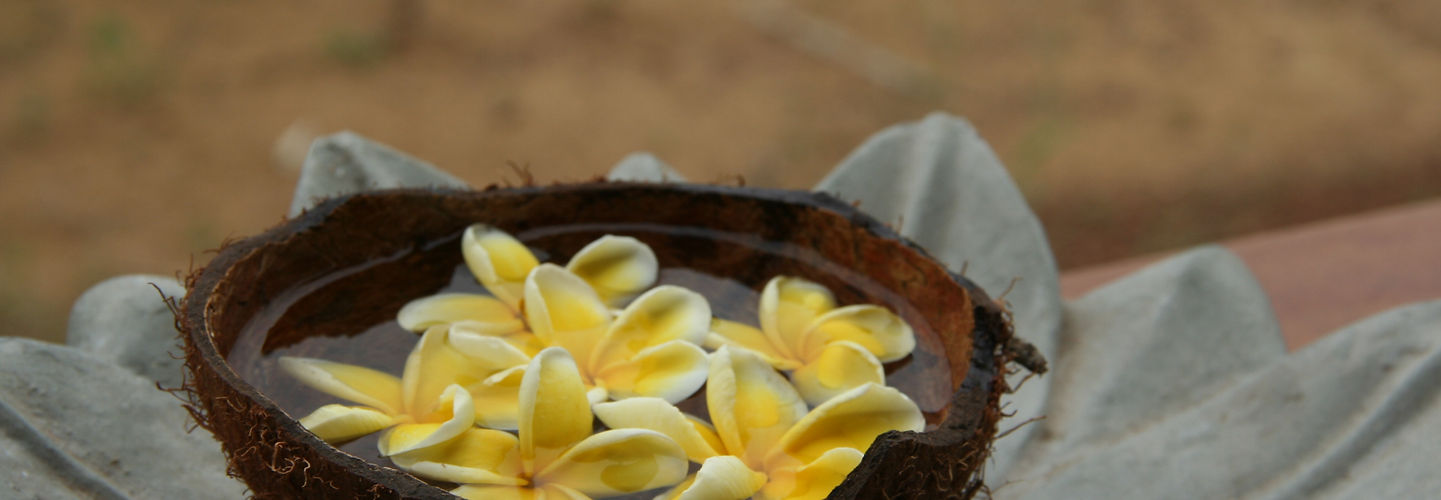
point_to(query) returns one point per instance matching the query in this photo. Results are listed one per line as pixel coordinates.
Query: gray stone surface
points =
(1156, 342)
(643, 167)
(76, 426)
(1355, 415)
(1173, 382)
(345, 163)
(124, 320)
(1170, 383)
(1153, 343)
(940, 184)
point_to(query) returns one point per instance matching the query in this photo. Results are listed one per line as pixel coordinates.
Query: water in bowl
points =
(349, 316)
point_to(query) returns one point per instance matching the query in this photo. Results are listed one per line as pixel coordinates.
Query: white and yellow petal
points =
(497, 492)
(661, 315)
(708, 432)
(498, 261)
(671, 371)
(540, 492)
(723, 478)
(730, 333)
(488, 313)
(432, 366)
(788, 306)
(554, 491)
(490, 352)
(340, 423)
(476, 456)
(839, 367)
(815, 480)
(850, 420)
(460, 415)
(554, 411)
(751, 405)
(527, 342)
(618, 267)
(876, 328)
(563, 310)
(497, 399)
(372, 388)
(616, 462)
(658, 415)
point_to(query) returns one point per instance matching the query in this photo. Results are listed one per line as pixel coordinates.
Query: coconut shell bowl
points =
(330, 282)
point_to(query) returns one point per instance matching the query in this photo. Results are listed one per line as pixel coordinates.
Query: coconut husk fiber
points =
(408, 240)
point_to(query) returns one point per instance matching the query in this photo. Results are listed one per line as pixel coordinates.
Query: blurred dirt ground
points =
(133, 138)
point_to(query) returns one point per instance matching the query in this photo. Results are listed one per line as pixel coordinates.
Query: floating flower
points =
(764, 443)
(427, 405)
(554, 454)
(616, 267)
(652, 348)
(829, 350)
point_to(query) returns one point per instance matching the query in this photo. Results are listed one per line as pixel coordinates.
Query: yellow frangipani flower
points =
(616, 267)
(764, 442)
(427, 405)
(829, 350)
(651, 348)
(554, 454)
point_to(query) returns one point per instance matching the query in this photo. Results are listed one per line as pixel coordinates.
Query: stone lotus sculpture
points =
(957, 201)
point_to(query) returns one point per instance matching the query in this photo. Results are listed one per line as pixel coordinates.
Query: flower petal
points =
(617, 462)
(527, 342)
(876, 328)
(840, 367)
(409, 437)
(619, 267)
(498, 261)
(724, 478)
(597, 394)
(493, 353)
(815, 480)
(850, 420)
(476, 456)
(663, 314)
(554, 411)
(432, 366)
(491, 315)
(497, 399)
(560, 492)
(707, 431)
(671, 371)
(788, 306)
(563, 310)
(373, 388)
(674, 492)
(657, 415)
(340, 423)
(494, 492)
(541, 492)
(751, 405)
(724, 332)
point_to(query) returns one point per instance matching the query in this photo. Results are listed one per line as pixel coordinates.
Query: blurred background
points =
(133, 138)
